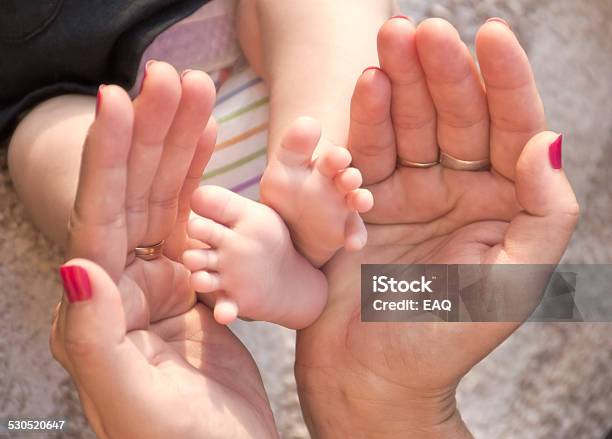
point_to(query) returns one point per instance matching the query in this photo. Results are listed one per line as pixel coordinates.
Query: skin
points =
(143, 333)
(337, 379)
(250, 263)
(251, 266)
(319, 199)
(45, 156)
(399, 380)
(288, 43)
(45, 151)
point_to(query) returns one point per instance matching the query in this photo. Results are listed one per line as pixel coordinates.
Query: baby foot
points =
(251, 263)
(319, 199)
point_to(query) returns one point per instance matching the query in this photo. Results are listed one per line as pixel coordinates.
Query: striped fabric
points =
(240, 156)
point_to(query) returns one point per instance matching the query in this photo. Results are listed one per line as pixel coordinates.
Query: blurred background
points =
(546, 381)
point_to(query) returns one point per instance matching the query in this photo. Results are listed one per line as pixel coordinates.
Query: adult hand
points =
(393, 380)
(147, 358)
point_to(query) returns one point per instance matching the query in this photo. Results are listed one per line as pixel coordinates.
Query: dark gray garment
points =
(54, 47)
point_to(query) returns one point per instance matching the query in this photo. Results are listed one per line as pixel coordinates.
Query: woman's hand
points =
(392, 380)
(148, 360)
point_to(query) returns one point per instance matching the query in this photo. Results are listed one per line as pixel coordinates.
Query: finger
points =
(226, 310)
(332, 161)
(356, 234)
(191, 118)
(154, 110)
(97, 225)
(541, 233)
(208, 231)
(412, 109)
(218, 204)
(201, 259)
(299, 143)
(176, 242)
(371, 137)
(360, 200)
(516, 109)
(56, 344)
(456, 90)
(59, 354)
(348, 180)
(95, 343)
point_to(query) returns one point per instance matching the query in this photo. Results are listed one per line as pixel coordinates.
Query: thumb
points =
(93, 335)
(540, 234)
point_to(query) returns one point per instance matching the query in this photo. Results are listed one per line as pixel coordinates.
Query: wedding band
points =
(150, 253)
(450, 162)
(408, 164)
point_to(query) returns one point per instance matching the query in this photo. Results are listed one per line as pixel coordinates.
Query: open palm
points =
(429, 97)
(148, 359)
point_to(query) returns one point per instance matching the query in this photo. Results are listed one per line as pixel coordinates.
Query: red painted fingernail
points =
(403, 17)
(555, 153)
(372, 68)
(99, 99)
(185, 72)
(76, 283)
(499, 20)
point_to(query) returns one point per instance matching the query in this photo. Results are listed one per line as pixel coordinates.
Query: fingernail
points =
(185, 72)
(372, 68)
(99, 99)
(499, 20)
(555, 153)
(403, 17)
(146, 72)
(76, 283)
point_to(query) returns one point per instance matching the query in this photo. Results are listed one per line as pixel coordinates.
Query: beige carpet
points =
(547, 381)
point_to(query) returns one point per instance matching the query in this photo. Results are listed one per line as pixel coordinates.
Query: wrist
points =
(375, 408)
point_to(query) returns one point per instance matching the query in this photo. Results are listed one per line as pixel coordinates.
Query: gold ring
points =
(150, 253)
(416, 165)
(450, 162)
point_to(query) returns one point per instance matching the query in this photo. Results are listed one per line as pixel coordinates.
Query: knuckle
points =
(78, 224)
(373, 149)
(165, 203)
(137, 205)
(411, 122)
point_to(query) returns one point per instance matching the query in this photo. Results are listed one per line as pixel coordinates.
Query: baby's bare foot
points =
(319, 199)
(251, 263)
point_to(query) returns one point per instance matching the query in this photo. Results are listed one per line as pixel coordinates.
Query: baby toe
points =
(333, 160)
(299, 143)
(348, 180)
(201, 259)
(360, 200)
(226, 310)
(205, 282)
(356, 234)
(207, 231)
